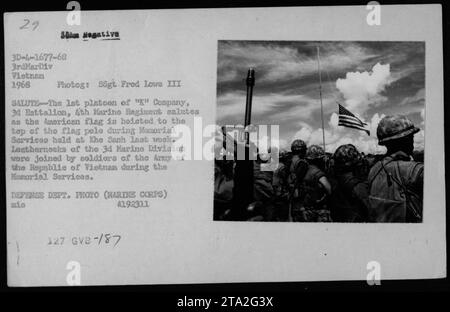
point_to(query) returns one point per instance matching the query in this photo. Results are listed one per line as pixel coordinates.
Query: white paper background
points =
(176, 241)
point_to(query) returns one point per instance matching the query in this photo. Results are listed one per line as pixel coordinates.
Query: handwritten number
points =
(118, 239)
(24, 26)
(34, 24)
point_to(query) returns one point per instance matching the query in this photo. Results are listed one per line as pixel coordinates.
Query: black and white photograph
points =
(351, 117)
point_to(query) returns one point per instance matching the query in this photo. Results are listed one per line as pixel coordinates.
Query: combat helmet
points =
(315, 152)
(394, 127)
(298, 146)
(346, 155)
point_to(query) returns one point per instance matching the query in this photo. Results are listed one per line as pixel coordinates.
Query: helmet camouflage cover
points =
(298, 146)
(346, 155)
(314, 152)
(394, 127)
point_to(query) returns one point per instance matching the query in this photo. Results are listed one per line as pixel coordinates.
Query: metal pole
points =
(243, 172)
(250, 81)
(320, 93)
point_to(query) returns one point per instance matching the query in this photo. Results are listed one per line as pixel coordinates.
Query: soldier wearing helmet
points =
(349, 200)
(298, 163)
(396, 181)
(315, 187)
(281, 187)
(263, 191)
(298, 147)
(297, 171)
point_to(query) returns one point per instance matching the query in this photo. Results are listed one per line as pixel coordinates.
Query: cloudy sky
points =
(371, 79)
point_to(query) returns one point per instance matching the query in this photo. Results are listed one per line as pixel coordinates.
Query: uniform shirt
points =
(280, 177)
(263, 189)
(311, 188)
(349, 201)
(404, 174)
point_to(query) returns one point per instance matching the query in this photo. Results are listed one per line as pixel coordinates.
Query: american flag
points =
(347, 119)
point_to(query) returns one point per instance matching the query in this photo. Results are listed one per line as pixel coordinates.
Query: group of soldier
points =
(310, 185)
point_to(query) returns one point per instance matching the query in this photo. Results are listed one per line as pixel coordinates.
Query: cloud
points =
(419, 140)
(422, 114)
(373, 124)
(417, 98)
(277, 62)
(266, 141)
(272, 108)
(361, 89)
(233, 103)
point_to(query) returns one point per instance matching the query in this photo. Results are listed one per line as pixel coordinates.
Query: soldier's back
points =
(396, 190)
(310, 186)
(349, 200)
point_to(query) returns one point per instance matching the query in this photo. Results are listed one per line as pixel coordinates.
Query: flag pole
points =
(320, 93)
